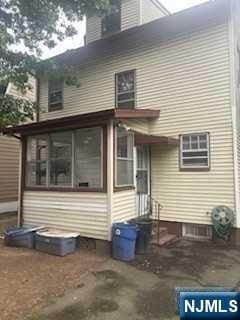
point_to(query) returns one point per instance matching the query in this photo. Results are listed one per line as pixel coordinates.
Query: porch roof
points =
(80, 121)
(141, 139)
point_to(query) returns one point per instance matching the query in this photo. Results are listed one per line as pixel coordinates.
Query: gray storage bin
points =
(19, 237)
(55, 245)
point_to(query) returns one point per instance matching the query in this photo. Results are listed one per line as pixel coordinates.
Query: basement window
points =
(197, 231)
(194, 151)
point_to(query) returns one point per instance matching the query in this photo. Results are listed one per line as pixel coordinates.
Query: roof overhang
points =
(78, 121)
(144, 139)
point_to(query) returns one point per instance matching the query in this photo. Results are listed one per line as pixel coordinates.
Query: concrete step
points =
(165, 240)
(162, 232)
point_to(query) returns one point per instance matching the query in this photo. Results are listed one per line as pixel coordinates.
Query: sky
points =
(77, 40)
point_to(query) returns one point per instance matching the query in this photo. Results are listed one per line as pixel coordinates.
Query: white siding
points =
(85, 213)
(130, 14)
(30, 94)
(150, 11)
(124, 206)
(93, 29)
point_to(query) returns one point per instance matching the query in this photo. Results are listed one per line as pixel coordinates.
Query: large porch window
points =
(124, 158)
(72, 159)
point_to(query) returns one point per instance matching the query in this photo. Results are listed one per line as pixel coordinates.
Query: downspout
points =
(22, 161)
(232, 48)
(110, 160)
(37, 99)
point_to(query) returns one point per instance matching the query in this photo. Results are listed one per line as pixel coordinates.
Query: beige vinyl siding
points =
(124, 206)
(9, 162)
(236, 92)
(93, 29)
(137, 125)
(159, 66)
(188, 78)
(195, 97)
(130, 14)
(85, 213)
(151, 11)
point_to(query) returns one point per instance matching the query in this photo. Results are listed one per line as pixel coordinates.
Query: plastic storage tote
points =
(19, 237)
(55, 243)
(124, 241)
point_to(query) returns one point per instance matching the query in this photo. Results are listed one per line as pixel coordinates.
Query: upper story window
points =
(194, 151)
(111, 23)
(55, 95)
(125, 90)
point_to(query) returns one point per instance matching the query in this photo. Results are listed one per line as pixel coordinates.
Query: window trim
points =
(135, 89)
(71, 188)
(117, 187)
(59, 106)
(195, 168)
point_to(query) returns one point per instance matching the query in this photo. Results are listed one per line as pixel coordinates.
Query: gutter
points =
(232, 48)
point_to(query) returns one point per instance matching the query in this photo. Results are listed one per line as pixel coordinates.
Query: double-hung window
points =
(194, 151)
(55, 95)
(125, 90)
(124, 158)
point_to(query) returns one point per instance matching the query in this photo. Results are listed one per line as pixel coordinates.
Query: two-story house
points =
(156, 116)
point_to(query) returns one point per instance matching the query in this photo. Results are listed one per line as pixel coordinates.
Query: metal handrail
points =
(150, 208)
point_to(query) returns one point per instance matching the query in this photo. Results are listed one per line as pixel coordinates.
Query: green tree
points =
(34, 24)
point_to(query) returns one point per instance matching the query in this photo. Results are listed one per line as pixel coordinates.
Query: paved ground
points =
(144, 289)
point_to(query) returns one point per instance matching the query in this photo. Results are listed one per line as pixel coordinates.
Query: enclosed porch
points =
(86, 172)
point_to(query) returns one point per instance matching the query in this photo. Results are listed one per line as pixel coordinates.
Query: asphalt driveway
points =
(145, 289)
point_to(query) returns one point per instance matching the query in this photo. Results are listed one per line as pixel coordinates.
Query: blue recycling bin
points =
(124, 241)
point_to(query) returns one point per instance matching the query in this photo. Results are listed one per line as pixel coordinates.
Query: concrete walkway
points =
(145, 289)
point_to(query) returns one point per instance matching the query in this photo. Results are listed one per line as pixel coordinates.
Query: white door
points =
(142, 179)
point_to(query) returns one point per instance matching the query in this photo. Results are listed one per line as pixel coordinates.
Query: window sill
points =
(57, 107)
(64, 189)
(194, 169)
(124, 188)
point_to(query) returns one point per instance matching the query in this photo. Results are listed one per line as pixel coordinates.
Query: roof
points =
(164, 27)
(144, 139)
(82, 120)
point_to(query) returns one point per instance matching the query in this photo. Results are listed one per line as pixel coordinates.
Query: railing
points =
(150, 208)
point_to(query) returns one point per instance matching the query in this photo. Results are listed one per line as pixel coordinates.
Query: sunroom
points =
(85, 172)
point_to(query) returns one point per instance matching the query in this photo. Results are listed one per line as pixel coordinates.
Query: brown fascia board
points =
(83, 120)
(164, 28)
(141, 139)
